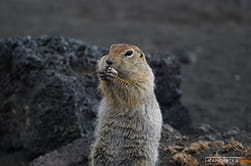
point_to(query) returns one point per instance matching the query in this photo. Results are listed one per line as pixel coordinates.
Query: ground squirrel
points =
(129, 118)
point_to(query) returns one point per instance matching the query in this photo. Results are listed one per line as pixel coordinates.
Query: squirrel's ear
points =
(141, 54)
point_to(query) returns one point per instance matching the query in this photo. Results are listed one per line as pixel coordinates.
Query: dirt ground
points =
(217, 87)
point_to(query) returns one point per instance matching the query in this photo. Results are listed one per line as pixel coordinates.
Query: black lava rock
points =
(75, 153)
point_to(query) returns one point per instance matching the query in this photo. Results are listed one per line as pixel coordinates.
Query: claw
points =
(112, 70)
(108, 74)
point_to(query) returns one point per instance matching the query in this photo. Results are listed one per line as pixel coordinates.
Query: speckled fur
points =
(129, 119)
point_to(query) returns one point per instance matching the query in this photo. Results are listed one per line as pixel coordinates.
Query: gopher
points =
(129, 118)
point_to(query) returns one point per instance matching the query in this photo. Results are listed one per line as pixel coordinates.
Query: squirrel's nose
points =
(109, 61)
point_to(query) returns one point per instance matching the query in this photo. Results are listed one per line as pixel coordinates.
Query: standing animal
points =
(129, 118)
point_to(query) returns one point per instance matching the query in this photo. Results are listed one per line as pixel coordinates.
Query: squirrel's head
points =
(128, 60)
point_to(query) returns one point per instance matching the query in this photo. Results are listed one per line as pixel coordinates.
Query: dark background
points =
(217, 33)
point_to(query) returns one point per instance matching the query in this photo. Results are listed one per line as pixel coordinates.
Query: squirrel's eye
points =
(129, 53)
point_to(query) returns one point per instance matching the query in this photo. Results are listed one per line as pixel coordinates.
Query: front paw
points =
(108, 74)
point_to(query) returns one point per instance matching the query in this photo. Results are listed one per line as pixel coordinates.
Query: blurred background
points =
(215, 35)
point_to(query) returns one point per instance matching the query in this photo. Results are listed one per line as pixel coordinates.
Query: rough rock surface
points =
(48, 95)
(75, 153)
(47, 99)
